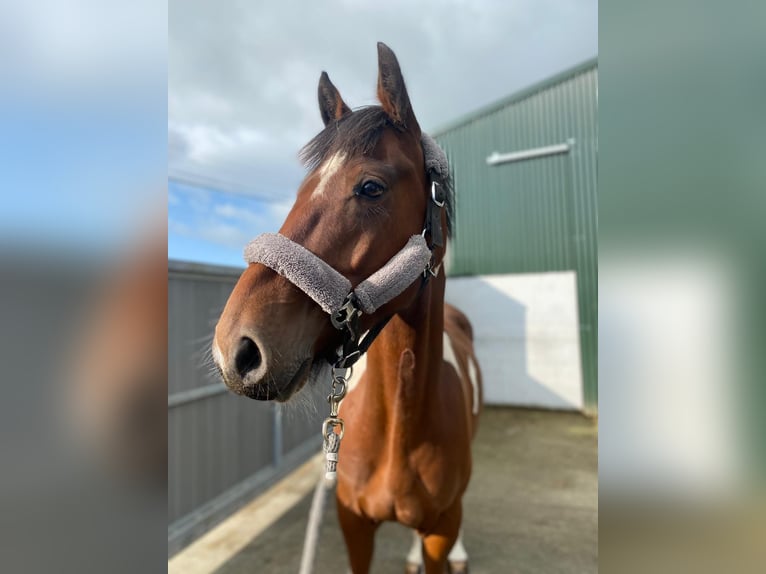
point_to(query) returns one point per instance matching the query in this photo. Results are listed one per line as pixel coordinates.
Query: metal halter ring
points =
(433, 195)
(348, 373)
(337, 395)
(433, 271)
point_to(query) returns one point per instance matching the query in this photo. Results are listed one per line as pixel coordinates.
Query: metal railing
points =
(223, 449)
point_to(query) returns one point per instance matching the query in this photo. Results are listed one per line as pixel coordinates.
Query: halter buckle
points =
(347, 316)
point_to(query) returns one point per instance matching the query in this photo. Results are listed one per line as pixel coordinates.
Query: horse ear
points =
(331, 105)
(392, 92)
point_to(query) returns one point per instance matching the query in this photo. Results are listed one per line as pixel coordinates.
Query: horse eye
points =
(370, 189)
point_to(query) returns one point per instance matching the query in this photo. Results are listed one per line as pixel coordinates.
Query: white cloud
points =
(211, 230)
(223, 234)
(226, 210)
(280, 209)
(273, 212)
(242, 76)
(205, 144)
(178, 228)
(223, 220)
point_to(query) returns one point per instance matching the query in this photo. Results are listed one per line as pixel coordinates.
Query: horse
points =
(410, 419)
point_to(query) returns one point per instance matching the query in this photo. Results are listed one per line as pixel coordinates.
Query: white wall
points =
(526, 332)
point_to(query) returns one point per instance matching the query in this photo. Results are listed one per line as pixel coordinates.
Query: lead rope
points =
(346, 319)
(330, 446)
(352, 350)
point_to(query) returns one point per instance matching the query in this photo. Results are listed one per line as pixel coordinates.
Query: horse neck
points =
(400, 394)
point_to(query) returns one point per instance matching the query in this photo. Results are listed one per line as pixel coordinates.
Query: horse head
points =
(365, 195)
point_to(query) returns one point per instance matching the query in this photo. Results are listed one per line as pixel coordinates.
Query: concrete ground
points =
(531, 507)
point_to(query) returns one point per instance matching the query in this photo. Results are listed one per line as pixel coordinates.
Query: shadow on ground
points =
(531, 507)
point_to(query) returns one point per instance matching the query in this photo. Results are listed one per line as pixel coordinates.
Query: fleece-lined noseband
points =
(333, 292)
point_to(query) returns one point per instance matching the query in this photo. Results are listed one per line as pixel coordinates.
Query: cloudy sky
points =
(242, 80)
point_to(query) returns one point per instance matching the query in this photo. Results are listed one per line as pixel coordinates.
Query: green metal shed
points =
(525, 171)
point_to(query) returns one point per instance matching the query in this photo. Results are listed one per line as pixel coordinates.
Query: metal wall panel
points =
(223, 449)
(536, 214)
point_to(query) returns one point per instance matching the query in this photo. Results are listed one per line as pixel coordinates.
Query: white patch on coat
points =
(449, 356)
(415, 555)
(327, 171)
(474, 376)
(449, 352)
(458, 553)
(359, 368)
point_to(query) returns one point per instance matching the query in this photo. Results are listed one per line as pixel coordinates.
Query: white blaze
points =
(327, 171)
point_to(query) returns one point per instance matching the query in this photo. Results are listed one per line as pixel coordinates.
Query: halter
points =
(333, 292)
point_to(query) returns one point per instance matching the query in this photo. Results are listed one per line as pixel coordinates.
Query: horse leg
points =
(438, 542)
(359, 534)
(458, 557)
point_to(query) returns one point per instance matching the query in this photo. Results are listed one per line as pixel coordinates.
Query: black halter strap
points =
(347, 318)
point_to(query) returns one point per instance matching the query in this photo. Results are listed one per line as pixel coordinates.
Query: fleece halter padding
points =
(395, 276)
(435, 158)
(328, 287)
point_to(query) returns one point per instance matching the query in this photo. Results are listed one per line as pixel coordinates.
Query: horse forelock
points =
(354, 134)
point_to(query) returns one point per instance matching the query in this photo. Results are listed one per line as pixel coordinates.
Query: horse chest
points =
(413, 493)
(403, 463)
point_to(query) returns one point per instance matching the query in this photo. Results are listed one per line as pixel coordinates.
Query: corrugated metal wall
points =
(536, 214)
(223, 449)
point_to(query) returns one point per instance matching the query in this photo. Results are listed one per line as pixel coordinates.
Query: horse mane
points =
(357, 134)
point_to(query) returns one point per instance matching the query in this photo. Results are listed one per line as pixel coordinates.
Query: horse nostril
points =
(248, 356)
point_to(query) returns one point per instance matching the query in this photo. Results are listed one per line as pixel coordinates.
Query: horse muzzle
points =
(252, 369)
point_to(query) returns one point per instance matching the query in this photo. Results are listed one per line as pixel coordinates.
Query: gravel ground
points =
(531, 507)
